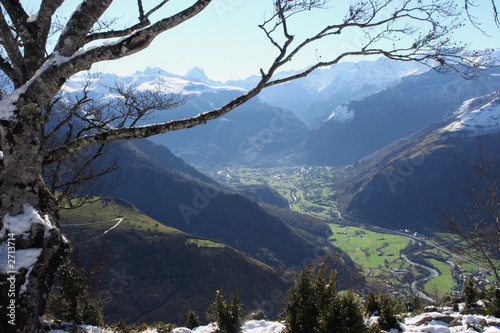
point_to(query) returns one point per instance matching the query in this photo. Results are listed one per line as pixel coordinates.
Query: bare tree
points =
(471, 4)
(475, 217)
(67, 118)
(406, 30)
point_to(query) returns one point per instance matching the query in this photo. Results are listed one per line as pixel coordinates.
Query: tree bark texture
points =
(23, 234)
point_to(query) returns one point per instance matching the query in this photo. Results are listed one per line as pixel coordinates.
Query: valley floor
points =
(399, 262)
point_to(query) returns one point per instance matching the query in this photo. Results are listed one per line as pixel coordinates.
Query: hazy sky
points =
(226, 42)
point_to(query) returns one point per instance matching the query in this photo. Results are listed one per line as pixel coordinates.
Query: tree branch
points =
(468, 4)
(7, 68)
(44, 20)
(16, 13)
(48, 81)
(10, 44)
(148, 14)
(129, 133)
(79, 25)
(116, 33)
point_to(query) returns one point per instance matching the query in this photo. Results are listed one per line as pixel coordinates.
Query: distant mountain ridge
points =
(314, 97)
(266, 125)
(244, 136)
(361, 126)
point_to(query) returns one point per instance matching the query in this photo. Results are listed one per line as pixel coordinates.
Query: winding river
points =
(432, 274)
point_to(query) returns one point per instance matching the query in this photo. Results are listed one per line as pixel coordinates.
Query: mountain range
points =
(362, 126)
(314, 97)
(408, 183)
(244, 136)
(398, 130)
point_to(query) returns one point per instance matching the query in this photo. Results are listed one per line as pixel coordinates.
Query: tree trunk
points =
(32, 247)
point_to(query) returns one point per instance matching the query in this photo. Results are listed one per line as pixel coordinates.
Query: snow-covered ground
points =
(448, 322)
(431, 322)
(252, 326)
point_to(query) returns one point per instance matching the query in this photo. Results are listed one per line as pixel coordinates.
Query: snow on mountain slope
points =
(477, 116)
(314, 97)
(342, 114)
(153, 79)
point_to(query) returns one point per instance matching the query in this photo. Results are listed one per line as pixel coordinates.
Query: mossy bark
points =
(21, 186)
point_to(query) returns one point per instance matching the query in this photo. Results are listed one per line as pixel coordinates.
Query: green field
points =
(307, 184)
(104, 214)
(371, 250)
(444, 282)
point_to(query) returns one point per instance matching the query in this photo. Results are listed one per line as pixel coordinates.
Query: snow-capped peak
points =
(197, 74)
(477, 116)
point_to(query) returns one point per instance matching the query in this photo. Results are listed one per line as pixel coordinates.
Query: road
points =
(295, 200)
(118, 221)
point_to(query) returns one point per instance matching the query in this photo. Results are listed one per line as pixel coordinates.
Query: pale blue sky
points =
(226, 42)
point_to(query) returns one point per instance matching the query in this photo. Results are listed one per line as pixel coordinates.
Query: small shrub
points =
(256, 315)
(121, 327)
(413, 304)
(470, 293)
(162, 327)
(389, 310)
(192, 320)
(493, 302)
(308, 299)
(70, 300)
(371, 305)
(141, 327)
(227, 316)
(343, 315)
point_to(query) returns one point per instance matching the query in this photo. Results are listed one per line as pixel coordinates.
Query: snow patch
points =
(21, 224)
(252, 326)
(342, 114)
(8, 104)
(426, 323)
(421, 323)
(262, 326)
(478, 121)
